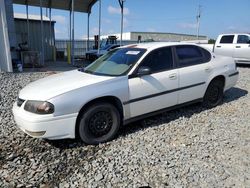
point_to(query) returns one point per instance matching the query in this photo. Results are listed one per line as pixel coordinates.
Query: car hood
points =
(51, 86)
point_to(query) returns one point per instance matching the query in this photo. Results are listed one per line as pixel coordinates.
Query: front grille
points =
(20, 102)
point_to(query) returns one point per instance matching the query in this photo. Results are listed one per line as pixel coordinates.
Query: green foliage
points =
(211, 41)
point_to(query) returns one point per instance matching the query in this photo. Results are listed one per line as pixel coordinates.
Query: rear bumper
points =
(45, 126)
(231, 80)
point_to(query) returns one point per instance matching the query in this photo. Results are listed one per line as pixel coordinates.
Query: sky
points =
(173, 16)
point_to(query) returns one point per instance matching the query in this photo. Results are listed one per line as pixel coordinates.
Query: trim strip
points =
(162, 93)
(133, 119)
(234, 74)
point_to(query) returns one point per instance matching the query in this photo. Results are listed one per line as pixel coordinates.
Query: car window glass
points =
(227, 39)
(207, 55)
(243, 39)
(116, 62)
(189, 55)
(159, 60)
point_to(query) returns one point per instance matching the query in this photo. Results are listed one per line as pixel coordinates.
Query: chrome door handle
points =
(172, 76)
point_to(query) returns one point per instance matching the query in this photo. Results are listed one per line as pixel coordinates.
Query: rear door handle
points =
(208, 69)
(218, 46)
(172, 76)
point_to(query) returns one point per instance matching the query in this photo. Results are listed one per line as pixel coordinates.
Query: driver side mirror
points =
(142, 71)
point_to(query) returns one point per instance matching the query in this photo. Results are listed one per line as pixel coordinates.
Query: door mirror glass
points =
(142, 71)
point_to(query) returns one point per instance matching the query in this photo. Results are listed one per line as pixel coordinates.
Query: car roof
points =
(235, 34)
(155, 45)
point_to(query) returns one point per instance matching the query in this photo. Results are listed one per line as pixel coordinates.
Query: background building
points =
(30, 37)
(157, 36)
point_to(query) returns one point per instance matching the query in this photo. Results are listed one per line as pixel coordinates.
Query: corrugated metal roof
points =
(79, 5)
(31, 17)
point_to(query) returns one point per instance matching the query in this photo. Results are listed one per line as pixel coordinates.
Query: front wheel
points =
(214, 94)
(99, 123)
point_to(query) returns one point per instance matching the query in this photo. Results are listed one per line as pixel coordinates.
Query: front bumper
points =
(45, 126)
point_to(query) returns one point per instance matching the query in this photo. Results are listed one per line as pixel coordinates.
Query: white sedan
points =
(124, 85)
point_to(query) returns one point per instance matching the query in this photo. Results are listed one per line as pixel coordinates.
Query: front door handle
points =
(172, 76)
(238, 46)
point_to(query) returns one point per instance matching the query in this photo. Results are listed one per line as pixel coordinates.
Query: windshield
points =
(116, 62)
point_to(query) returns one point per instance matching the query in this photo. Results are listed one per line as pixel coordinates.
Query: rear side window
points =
(189, 55)
(159, 60)
(227, 39)
(207, 55)
(243, 39)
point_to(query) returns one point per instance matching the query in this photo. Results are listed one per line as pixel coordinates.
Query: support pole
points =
(99, 35)
(70, 39)
(42, 34)
(121, 2)
(88, 32)
(73, 33)
(50, 25)
(198, 17)
(53, 53)
(28, 24)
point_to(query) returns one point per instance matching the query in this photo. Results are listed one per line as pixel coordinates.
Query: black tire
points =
(99, 123)
(214, 94)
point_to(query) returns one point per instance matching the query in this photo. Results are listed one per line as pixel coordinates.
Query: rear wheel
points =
(99, 123)
(214, 94)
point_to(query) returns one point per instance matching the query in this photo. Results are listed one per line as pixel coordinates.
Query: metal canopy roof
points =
(79, 5)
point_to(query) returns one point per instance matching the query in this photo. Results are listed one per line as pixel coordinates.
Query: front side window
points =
(159, 60)
(116, 62)
(243, 39)
(227, 39)
(188, 55)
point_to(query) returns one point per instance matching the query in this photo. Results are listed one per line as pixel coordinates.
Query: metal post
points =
(28, 25)
(73, 33)
(99, 35)
(88, 32)
(50, 25)
(70, 39)
(42, 34)
(198, 21)
(121, 2)
(50, 35)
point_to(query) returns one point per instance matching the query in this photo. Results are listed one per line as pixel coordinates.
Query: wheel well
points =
(108, 99)
(221, 78)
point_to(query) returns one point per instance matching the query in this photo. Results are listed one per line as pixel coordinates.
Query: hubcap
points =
(100, 123)
(214, 94)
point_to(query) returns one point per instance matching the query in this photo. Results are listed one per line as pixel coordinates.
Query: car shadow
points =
(187, 111)
(163, 118)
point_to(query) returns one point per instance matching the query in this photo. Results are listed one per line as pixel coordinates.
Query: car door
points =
(242, 47)
(224, 46)
(156, 90)
(194, 70)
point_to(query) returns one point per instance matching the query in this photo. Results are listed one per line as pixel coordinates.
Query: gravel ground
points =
(188, 147)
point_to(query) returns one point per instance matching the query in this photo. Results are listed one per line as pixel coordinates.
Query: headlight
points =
(39, 107)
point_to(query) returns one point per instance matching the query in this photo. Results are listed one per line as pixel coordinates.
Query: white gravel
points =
(188, 147)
